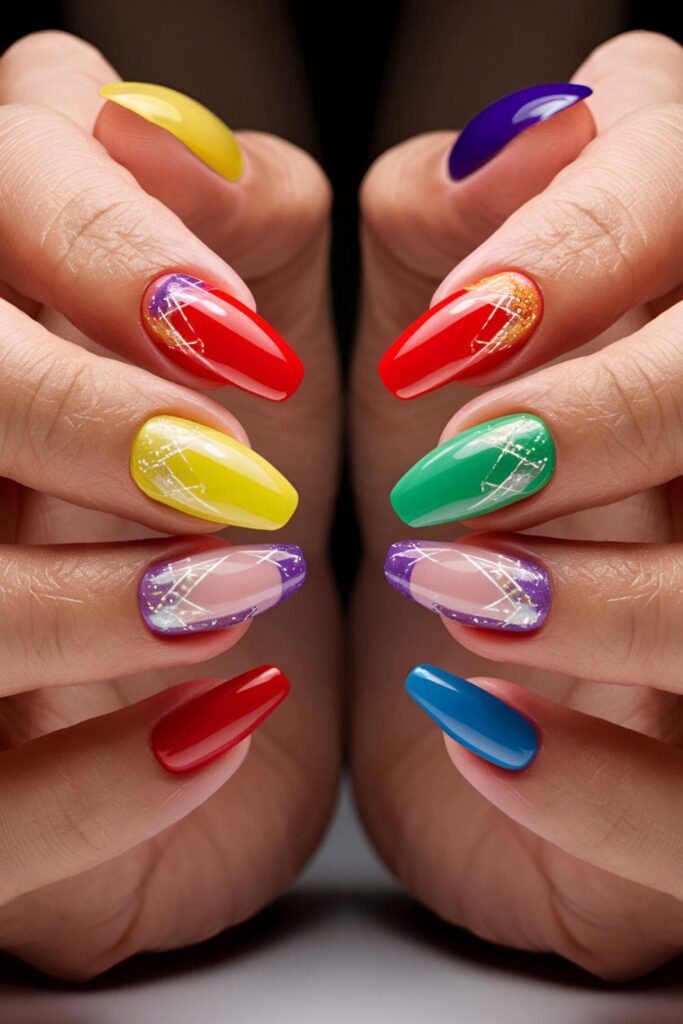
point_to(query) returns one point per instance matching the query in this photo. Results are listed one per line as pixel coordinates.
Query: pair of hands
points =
(106, 855)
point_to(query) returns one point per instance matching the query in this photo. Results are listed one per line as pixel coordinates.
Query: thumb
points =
(419, 222)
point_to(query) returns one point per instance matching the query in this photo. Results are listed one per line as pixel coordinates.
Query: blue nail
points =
(496, 125)
(473, 717)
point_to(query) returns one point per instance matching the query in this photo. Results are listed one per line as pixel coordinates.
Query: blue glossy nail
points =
(474, 718)
(496, 125)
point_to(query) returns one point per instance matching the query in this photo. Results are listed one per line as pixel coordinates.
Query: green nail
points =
(483, 469)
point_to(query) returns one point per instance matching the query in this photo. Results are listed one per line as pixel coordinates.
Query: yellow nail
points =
(195, 126)
(209, 475)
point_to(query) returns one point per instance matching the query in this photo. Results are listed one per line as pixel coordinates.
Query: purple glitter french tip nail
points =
(219, 588)
(491, 129)
(472, 585)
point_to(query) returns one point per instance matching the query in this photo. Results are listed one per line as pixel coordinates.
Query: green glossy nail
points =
(483, 469)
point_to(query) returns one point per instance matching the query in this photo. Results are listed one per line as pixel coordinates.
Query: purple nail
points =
(472, 585)
(491, 129)
(218, 588)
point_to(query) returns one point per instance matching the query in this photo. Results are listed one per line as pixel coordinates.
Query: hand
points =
(578, 852)
(104, 852)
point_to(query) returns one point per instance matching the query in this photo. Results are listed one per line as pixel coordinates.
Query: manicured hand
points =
(125, 254)
(554, 822)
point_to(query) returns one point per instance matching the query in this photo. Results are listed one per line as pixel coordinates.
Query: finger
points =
(418, 221)
(605, 229)
(605, 794)
(167, 301)
(113, 437)
(85, 794)
(611, 611)
(82, 613)
(611, 422)
(56, 70)
(630, 71)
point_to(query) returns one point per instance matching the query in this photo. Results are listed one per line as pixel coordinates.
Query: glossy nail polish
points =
(470, 332)
(480, 470)
(473, 717)
(209, 333)
(219, 588)
(204, 727)
(209, 475)
(196, 127)
(471, 585)
(496, 125)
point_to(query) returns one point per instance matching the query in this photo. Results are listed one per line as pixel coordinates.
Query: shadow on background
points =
(299, 911)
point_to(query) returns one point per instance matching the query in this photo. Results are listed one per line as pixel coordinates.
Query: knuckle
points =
(637, 403)
(639, 46)
(595, 228)
(56, 408)
(51, 47)
(646, 620)
(77, 832)
(94, 225)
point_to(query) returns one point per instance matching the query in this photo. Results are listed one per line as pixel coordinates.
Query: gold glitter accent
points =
(519, 297)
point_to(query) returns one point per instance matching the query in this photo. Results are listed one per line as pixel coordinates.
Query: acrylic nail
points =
(477, 471)
(209, 333)
(209, 475)
(468, 333)
(204, 727)
(202, 132)
(470, 584)
(219, 588)
(475, 718)
(491, 130)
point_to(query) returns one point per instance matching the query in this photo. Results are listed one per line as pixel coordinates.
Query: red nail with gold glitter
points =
(466, 335)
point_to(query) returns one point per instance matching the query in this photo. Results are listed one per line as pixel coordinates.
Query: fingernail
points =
(209, 475)
(480, 470)
(472, 585)
(197, 128)
(209, 333)
(468, 333)
(219, 588)
(474, 718)
(200, 730)
(496, 125)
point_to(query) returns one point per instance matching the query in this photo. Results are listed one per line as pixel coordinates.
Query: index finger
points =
(79, 234)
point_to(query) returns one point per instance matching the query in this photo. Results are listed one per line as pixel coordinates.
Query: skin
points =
(580, 853)
(187, 856)
(612, 906)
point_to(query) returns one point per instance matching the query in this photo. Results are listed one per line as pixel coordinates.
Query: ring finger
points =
(83, 613)
(610, 612)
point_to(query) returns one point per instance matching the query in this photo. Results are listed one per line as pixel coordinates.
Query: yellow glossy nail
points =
(195, 126)
(209, 475)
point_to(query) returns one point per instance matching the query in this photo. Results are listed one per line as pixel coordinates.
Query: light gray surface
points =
(345, 946)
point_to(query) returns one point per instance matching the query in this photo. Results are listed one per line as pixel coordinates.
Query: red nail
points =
(214, 336)
(203, 728)
(468, 334)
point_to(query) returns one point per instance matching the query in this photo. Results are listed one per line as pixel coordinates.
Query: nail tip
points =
(477, 720)
(398, 567)
(474, 146)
